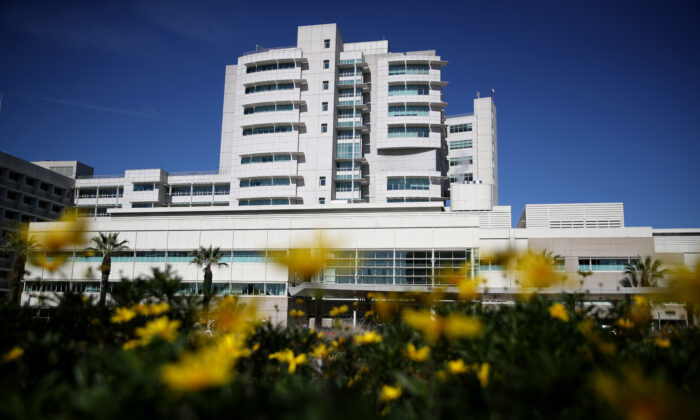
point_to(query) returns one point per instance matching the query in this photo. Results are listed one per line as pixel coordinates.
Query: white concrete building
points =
(347, 142)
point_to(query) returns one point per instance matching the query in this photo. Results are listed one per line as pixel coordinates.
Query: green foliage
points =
(74, 365)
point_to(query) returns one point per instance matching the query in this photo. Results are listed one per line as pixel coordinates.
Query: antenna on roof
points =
(493, 92)
(478, 94)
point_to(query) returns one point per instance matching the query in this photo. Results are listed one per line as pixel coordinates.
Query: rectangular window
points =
(347, 151)
(326, 64)
(408, 184)
(201, 190)
(464, 160)
(604, 264)
(346, 166)
(321, 181)
(269, 87)
(343, 186)
(326, 43)
(409, 111)
(264, 202)
(267, 130)
(350, 72)
(180, 190)
(268, 67)
(144, 187)
(91, 193)
(325, 85)
(409, 132)
(222, 189)
(268, 108)
(108, 192)
(409, 69)
(468, 177)
(324, 106)
(263, 182)
(348, 134)
(347, 113)
(461, 144)
(324, 128)
(460, 128)
(409, 90)
(322, 200)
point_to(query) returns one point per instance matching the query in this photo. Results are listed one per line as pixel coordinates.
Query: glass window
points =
(325, 85)
(268, 67)
(322, 181)
(409, 90)
(461, 144)
(409, 69)
(275, 289)
(222, 189)
(347, 150)
(408, 184)
(144, 187)
(248, 256)
(201, 190)
(267, 130)
(326, 43)
(322, 200)
(409, 111)
(269, 87)
(326, 64)
(423, 132)
(324, 106)
(324, 128)
(463, 160)
(460, 128)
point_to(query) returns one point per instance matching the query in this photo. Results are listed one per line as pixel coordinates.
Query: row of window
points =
(264, 202)
(268, 67)
(604, 264)
(269, 87)
(346, 166)
(460, 128)
(186, 288)
(347, 150)
(408, 184)
(349, 134)
(145, 187)
(344, 186)
(407, 200)
(409, 90)
(409, 132)
(268, 108)
(348, 113)
(409, 111)
(267, 130)
(349, 72)
(461, 144)
(170, 256)
(103, 192)
(351, 61)
(263, 182)
(265, 159)
(462, 160)
(349, 93)
(468, 177)
(409, 69)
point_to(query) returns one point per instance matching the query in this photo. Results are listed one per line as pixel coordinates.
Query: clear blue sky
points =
(597, 101)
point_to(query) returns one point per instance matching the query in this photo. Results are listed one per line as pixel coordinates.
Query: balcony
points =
(271, 97)
(270, 118)
(433, 141)
(280, 76)
(272, 191)
(268, 143)
(258, 170)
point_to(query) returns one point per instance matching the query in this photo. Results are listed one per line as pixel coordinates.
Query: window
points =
(342, 186)
(263, 182)
(267, 130)
(268, 67)
(180, 190)
(142, 205)
(409, 132)
(346, 166)
(349, 72)
(409, 69)
(325, 85)
(144, 187)
(348, 93)
(269, 87)
(464, 160)
(321, 200)
(14, 176)
(30, 181)
(222, 189)
(324, 106)
(89, 193)
(264, 202)
(348, 113)
(604, 264)
(460, 128)
(324, 128)
(408, 184)
(348, 134)
(408, 111)
(265, 159)
(108, 192)
(326, 64)
(461, 144)
(468, 177)
(268, 108)
(326, 43)
(409, 90)
(201, 190)
(321, 181)
(347, 151)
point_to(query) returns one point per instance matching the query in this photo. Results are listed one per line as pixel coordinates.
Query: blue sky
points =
(597, 101)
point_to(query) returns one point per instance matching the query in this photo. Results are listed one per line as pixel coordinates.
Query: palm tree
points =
(21, 246)
(106, 244)
(643, 273)
(206, 257)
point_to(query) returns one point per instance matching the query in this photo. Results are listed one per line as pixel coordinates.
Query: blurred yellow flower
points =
(368, 338)
(131, 344)
(293, 313)
(483, 374)
(256, 346)
(357, 376)
(425, 322)
(457, 367)
(684, 284)
(535, 270)
(305, 261)
(287, 356)
(468, 288)
(160, 327)
(235, 317)
(369, 314)
(122, 315)
(13, 354)
(417, 355)
(154, 309)
(389, 393)
(557, 310)
(462, 326)
(625, 323)
(196, 371)
(320, 351)
(339, 310)
(68, 230)
(662, 342)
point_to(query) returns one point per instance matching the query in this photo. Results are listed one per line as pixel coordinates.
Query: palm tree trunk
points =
(105, 268)
(208, 277)
(17, 276)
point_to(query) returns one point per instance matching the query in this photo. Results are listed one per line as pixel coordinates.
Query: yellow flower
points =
(461, 326)
(339, 310)
(320, 334)
(50, 263)
(535, 270)
(389, 393)
(662, 342)
(293, 313)
(357, 376)
(287, 356)
(153, 309)
(468, 288)
(122, 315)
(304, 262)
(160, 327)
(256, 346)
(557, 310)
(457, 367)
(625, 323)
(369, 314)
(320, 351)
(15, 353)
(235, 317)
(483, 374)
(131, 344)
(417, 355)
(368, 338)
(423, 321)
(196, 371)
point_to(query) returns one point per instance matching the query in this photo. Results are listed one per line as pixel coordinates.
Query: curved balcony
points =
(281, 75)
(271, 97)
(272, 55)
(270, 118)
(433, 141)
(272, 191)
(268, 143)
(433, 120)
(432, 78)
(434, 98)
(287, 168)
(404, 58)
